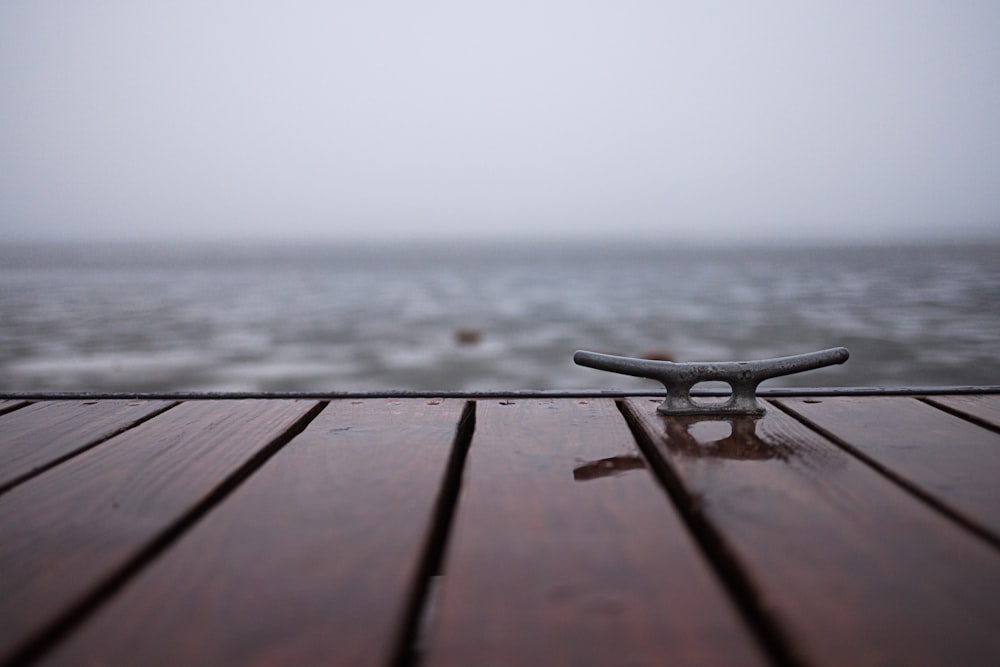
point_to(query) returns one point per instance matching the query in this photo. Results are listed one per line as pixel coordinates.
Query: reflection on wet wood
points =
(949, 458)
(70, 531)
(721, 438)
(608, 467)
(545, 570)
(310, 562)
(853, 569)
(41, 435)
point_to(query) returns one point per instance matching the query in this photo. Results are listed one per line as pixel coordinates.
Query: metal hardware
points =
(742, 377)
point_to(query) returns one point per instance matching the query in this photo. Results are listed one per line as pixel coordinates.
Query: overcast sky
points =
(395, 120)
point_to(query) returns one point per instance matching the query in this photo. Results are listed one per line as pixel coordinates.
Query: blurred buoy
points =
(658, 354)
(466, 336)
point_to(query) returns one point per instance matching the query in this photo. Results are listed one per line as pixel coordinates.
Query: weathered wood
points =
(985, 408)
(947, 457)
(310, 562)
(553, 563)
(40, 435)
(70, 532)
(853, 568)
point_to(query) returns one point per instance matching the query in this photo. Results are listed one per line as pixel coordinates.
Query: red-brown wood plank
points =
(946, 456)
(310, 562)
(41, 434)
(984, 407)
(71, 530)
(854, 569)
(565, 552)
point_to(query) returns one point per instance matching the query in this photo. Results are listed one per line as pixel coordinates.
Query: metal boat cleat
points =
(742, 377)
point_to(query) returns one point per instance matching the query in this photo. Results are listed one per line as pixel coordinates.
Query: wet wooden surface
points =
(534, 530)
(985, 409)
(312, 561)
(45, 433)
(69, 532)
(830, 548)
(953, 461)
(565, 554)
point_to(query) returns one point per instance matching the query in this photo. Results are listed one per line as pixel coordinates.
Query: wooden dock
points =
(834, 530)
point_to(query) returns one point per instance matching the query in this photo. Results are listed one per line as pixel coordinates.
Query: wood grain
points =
(310, 562)
(985, 408)
(855, 570)
(943, 455)
(67, 533)
(554, 563)
(47, 432)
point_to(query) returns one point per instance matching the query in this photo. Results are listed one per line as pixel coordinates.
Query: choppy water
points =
(288, 318)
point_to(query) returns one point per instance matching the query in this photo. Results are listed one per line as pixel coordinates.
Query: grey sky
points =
(690, 120)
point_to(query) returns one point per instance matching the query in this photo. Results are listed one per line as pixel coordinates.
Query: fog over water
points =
(308, 120)
(320, 196)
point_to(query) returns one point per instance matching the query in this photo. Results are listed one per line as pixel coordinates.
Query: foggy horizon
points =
(822, 123)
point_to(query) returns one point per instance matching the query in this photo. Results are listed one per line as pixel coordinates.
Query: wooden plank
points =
(956, 462)
(984, 407)
(40, 435)
(553, 563)
(9, 405)
(852, 567)
(69, 532)
(312, 561)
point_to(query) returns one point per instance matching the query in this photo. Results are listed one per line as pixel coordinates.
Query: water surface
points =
(329, 318)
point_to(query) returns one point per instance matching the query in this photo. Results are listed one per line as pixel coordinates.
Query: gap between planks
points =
(965, 409)
(86, 446)
(11, 405)
(76, 613)
(767, 631)
(417, 616)
(724, 562)
(503, 597)
(914, 488)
